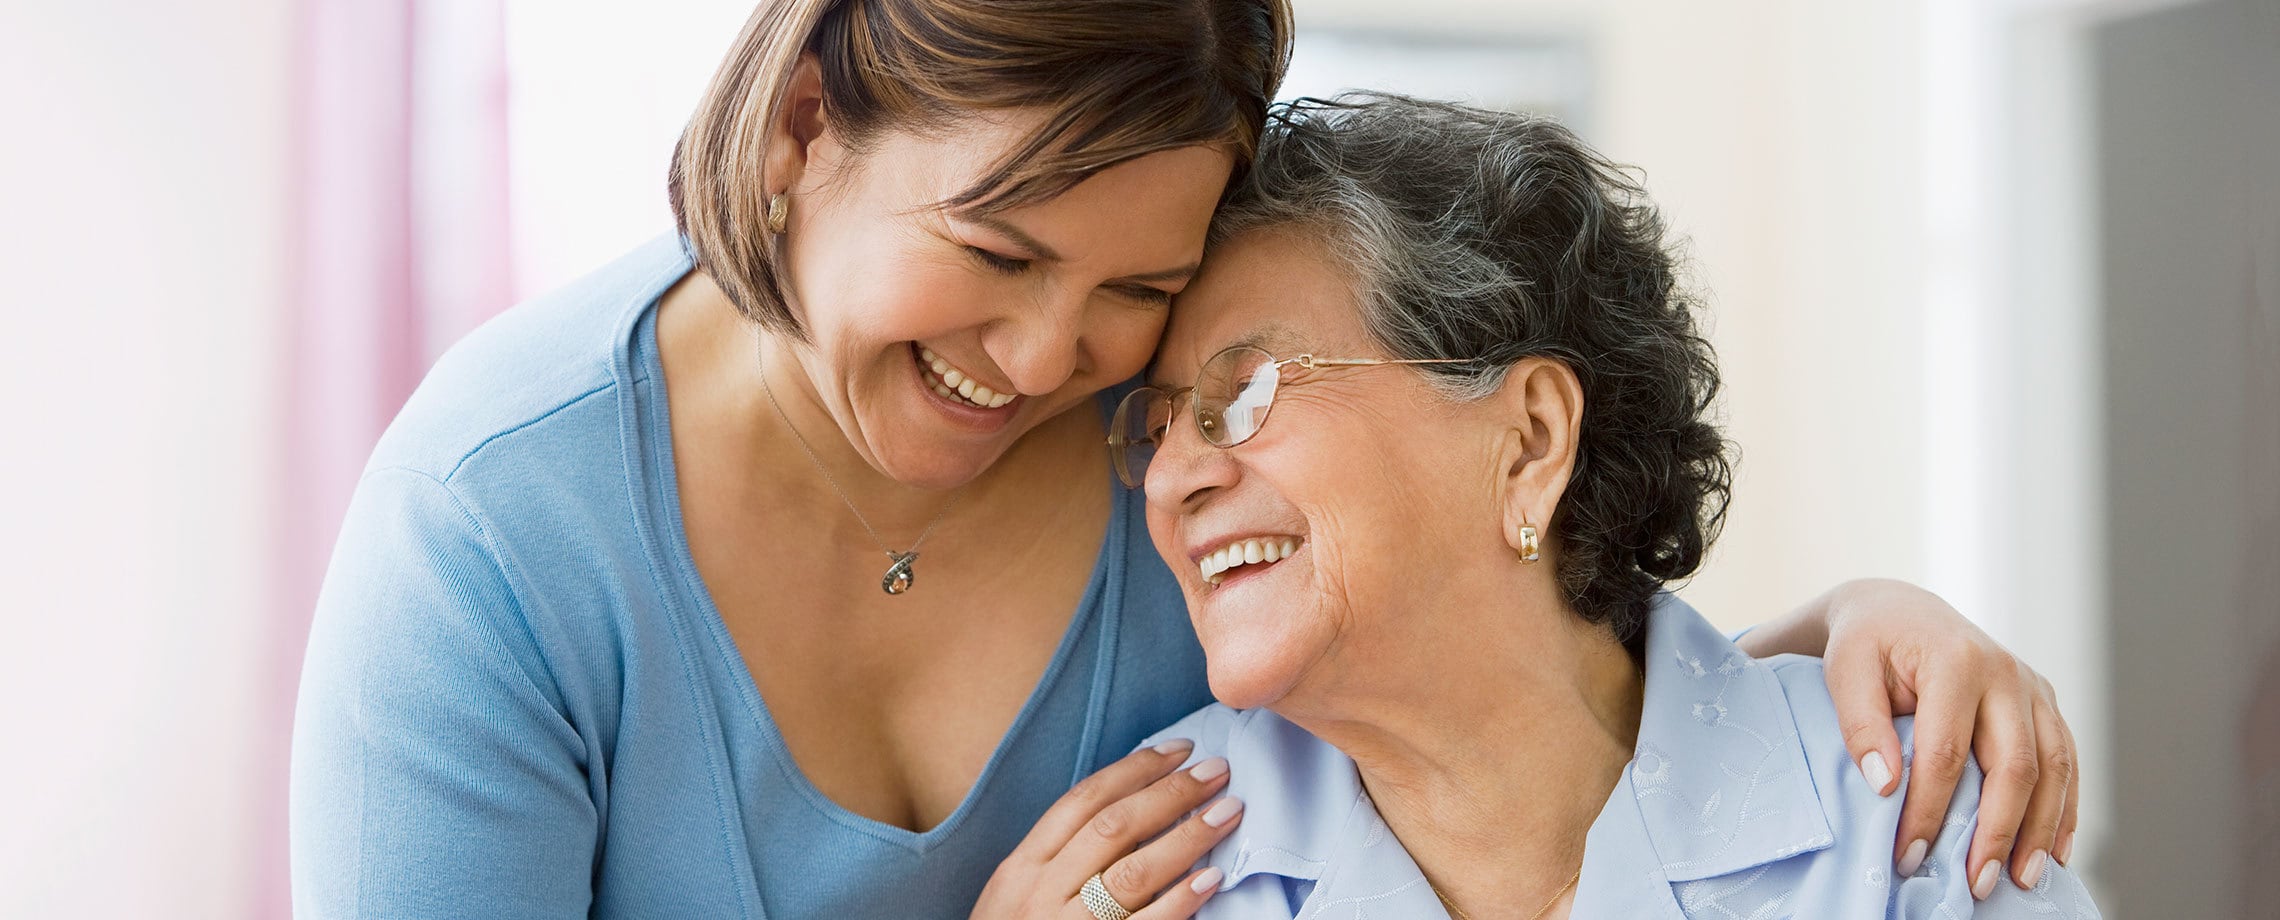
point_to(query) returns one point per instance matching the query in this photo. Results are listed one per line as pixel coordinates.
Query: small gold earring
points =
(779, 213)
(1530, 544)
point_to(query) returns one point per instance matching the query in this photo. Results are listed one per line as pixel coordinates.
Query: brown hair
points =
(1121, 79)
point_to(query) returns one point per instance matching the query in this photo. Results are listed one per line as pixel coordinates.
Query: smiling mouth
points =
(1244, 557)
(950, 383)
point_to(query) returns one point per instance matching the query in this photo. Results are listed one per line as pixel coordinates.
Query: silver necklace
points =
(899, 576)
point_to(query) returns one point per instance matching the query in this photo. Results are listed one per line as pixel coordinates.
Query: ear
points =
(797, 123)
(1544, 402)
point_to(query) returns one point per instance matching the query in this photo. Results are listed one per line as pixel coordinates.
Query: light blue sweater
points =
(519, 701)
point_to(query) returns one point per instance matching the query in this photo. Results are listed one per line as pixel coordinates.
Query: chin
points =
(913, 452)
(1249, 678)
(939, 467)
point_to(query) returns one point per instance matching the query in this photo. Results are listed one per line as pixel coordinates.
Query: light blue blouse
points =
(1741, 801)
(519, 701)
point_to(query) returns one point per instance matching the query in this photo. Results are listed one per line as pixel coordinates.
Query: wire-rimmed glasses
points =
(1232, 398)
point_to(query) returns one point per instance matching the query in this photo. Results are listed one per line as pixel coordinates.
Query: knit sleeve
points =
(434, 773)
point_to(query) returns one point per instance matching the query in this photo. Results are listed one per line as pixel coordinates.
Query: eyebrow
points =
(1181, 273)
(1038, 248)
(1020, 237)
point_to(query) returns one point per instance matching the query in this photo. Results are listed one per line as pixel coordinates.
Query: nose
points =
(1186, 470)
(1038, 347)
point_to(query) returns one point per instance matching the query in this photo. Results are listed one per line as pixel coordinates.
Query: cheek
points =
(914, 302)
(1373, 515)
(862, 282)
(1122, 341)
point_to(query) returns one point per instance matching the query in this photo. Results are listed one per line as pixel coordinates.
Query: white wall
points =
(142, 200)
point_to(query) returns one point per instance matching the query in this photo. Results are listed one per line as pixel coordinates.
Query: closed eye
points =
(1149, 295)
(1004, 265)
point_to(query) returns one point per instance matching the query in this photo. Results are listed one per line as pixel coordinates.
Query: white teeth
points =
(950, 382)
(1246, 552)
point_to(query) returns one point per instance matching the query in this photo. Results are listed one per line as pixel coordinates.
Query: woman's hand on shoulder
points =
(1140, 823)
(1893, 648)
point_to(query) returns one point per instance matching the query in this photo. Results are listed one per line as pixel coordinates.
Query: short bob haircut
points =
(1120, 79)
(1496, 237)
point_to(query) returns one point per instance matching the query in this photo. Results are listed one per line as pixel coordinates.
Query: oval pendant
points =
(899, 575)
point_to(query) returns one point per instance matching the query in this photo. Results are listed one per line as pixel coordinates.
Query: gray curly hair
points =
(1496, 237)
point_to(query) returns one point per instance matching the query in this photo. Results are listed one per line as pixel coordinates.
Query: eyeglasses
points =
(1232, 397)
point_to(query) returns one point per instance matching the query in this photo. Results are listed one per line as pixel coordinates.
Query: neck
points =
(1494, 779)
(721, 372)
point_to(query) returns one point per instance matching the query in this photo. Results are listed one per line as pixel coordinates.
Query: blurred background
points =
(1996, 286)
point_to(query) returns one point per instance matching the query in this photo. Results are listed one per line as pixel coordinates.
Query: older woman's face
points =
(1374, 477)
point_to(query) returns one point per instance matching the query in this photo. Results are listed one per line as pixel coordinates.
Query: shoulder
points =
(1301, 798)
(495, 511)
(1266, 748)
(1860, 859)
(536, 362)
(1208, 729)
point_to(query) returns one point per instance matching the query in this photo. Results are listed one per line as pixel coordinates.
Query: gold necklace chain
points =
(1538, 915)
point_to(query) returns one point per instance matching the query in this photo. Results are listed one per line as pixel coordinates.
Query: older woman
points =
(1439, 442)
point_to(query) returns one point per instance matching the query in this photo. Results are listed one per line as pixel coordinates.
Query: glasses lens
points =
(1135, 432)
(1234, 394)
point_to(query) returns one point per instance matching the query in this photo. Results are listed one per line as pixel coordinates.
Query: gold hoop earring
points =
(779, 213)
(1531, 545)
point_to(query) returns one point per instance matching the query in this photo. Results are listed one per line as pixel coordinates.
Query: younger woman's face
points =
(939, 337)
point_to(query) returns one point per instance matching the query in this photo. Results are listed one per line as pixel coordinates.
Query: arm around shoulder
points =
(433, 774)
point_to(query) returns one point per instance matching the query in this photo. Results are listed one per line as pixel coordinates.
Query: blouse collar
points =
(1718, 784)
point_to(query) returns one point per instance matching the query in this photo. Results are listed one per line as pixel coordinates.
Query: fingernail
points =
(1986, 884)
(1206, 880)
(1222, 811)
(2066, 849)
(1914, 859)
(1873, 769)
(1175, 746)
(2033, 874)
(1210, 769)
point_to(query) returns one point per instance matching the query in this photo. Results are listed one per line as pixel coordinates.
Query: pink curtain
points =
(402, 247)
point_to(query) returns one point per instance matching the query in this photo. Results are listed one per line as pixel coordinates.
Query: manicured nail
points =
(2033, 874)
(1206, 880)
(1175, 746)
(1873, 769)
(1986, 884)
(1222, 811)
(1913, 859)
(2066, 850)
(1209, 770)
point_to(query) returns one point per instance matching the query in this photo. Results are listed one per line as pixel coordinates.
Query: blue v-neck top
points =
(519, 701)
